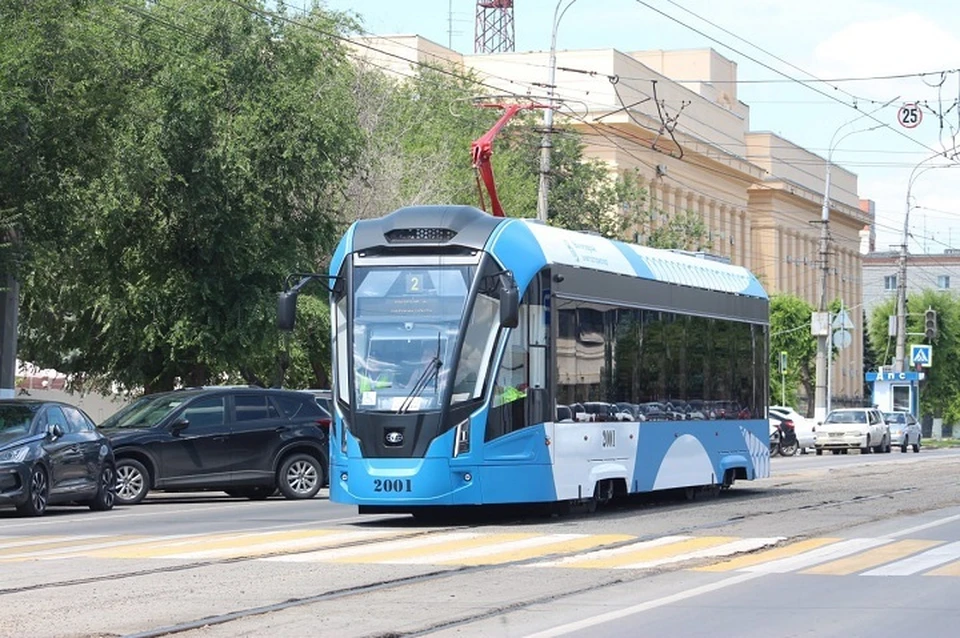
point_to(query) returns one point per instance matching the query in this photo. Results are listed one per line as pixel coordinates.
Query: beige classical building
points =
(674, 118)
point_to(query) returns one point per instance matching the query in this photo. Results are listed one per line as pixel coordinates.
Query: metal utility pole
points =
(821, 319)
(823, 323)
(900, 357)
(546, 145)
(9, 297)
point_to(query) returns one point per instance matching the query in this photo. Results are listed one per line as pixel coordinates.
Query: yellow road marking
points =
(950, 569)
(435, 548)
(769, 555)
(241, 542)
(652, 553)
(66, 542)
(561, 546)
(872, 558)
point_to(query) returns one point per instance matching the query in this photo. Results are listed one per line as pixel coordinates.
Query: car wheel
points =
(38, 491)
(133, 481)
(819, 452)
(916, 446)
(866, 448)
(903, 448)
(106, 490)
(300, 476)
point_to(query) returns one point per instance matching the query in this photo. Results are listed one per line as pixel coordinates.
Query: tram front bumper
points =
(404, 483)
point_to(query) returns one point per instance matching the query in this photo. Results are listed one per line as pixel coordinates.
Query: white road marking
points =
(817, 556)
(734, 547)
(488, 550)
(650, 604)
(609, 553)
(920, 562)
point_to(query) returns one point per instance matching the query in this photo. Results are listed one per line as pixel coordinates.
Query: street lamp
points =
(823, 334)
(547, 143)
(900, 362)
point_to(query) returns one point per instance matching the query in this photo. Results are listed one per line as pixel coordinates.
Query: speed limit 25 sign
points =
(910, 115)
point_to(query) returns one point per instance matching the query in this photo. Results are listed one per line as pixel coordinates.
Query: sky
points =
(826, 39)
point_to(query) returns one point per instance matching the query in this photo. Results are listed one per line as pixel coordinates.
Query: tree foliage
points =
(939, 394)
(175, 162)
(790, 333)
(166, 164)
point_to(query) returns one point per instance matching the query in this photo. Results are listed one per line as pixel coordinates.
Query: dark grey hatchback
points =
(50, 453)
(245, 441)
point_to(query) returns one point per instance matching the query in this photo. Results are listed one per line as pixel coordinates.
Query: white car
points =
(805, 428)
(904, 430)
(853, 428)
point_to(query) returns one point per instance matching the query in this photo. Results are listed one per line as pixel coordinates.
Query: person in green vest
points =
(366, 384)
(508, 394)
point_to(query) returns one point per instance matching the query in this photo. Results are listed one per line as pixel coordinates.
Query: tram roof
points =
(526, 246)
(586, 250)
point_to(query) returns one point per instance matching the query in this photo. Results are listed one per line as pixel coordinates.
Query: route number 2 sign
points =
(910, 115)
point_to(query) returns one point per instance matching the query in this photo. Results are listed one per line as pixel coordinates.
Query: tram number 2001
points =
(392, 485)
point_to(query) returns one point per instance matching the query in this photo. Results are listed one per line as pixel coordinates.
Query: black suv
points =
(246, 441)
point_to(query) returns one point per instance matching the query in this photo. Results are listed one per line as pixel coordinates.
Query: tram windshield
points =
(405, 327)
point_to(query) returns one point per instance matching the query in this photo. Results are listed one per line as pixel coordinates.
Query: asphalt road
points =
(831, 545)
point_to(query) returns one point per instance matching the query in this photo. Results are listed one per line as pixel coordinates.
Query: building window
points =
(890, 282)
(943, 282)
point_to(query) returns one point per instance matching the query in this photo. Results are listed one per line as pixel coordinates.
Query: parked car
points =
(600, 411)
(904, 430)
(324, 400)
(248, 442)
(852, 428)
(51, 453)
(805, 428)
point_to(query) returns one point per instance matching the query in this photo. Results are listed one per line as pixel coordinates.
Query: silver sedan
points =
(904, 430)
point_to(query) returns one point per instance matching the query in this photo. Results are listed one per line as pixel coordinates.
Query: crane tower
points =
(494, 27)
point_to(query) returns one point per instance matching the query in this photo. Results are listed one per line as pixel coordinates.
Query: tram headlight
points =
(461, 438)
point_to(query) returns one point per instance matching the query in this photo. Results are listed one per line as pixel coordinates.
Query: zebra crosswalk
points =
(868, 557)
(851, 556)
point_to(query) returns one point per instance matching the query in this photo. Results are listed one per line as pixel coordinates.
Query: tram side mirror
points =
(286, 310)
(509, 301)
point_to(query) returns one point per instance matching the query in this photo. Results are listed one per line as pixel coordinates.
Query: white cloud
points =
(904, 43)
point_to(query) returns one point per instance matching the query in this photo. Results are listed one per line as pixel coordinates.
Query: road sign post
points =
(921, 355)
(783, 377)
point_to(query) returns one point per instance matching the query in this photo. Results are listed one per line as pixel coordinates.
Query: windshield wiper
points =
(429, 373)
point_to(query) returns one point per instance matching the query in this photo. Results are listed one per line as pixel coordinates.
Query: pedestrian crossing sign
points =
(921, 355)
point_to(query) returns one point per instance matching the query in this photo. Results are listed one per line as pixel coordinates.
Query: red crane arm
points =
(482, 148)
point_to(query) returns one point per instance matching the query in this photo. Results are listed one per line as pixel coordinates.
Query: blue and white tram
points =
(457, 336)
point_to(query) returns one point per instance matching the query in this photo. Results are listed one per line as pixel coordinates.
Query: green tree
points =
(939, 394)
(685, 230)
(790, 333)
(189, 156)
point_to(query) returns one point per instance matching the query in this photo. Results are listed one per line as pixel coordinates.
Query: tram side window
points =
(652, 365)
(520, 388)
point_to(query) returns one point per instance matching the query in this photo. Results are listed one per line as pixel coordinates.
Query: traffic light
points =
(930, 324)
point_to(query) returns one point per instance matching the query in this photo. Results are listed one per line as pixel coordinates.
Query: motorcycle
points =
(783, 438)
